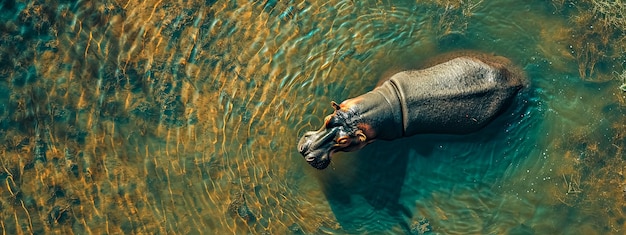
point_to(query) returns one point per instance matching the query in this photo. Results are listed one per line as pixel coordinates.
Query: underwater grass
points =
(598, 37)
(598, 42)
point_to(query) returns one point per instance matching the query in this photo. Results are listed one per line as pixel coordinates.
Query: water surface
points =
(183, 117)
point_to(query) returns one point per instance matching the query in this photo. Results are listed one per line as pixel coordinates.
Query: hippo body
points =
(459, 96)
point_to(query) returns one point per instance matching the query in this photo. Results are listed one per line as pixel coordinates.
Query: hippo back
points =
(455, 97)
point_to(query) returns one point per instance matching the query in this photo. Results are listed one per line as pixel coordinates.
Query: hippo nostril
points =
(309, 158)
(301, 147)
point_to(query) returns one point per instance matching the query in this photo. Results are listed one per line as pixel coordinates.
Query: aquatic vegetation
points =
(598, 38)
(593, 176)
(611, 13)
(622, 78)
(452, 20)
(420, 227)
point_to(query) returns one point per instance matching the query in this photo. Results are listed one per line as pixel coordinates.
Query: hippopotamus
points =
(458, 96)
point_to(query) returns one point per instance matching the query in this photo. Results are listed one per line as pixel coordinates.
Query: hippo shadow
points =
(364, 188)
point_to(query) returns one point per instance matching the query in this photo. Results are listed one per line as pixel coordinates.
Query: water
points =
(183, 117)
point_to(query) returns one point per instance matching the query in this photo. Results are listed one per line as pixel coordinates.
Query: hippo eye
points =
(332, 122)
(342, 140)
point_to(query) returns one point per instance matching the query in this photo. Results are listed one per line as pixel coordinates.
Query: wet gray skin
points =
(455, 97)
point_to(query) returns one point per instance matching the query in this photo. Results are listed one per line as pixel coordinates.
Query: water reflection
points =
(183, 117)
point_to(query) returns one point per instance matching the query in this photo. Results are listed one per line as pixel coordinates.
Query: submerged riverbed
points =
(183, 117)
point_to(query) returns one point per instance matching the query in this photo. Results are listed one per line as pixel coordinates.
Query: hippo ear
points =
(361, 135)
(335, 105)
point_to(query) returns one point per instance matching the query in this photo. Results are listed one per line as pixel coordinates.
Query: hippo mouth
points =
(319, 160)
(317, 147)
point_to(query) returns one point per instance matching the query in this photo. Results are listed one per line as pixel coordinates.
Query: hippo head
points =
(339, 133)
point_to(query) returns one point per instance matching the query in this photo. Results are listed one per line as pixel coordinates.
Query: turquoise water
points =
(183, 117)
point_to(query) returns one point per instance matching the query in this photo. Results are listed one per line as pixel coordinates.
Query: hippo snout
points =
(315, 147)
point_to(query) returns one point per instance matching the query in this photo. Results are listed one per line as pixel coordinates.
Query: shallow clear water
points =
(183, 117)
